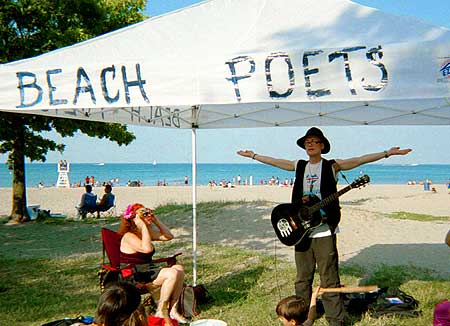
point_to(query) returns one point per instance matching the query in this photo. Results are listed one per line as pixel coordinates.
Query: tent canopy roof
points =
(245, 63)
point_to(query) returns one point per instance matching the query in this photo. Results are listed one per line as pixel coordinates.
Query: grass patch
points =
(49, 271)
(355, 202)
(205, 209)
(418, 217)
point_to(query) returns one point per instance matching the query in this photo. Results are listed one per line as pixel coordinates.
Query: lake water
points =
(172, 174)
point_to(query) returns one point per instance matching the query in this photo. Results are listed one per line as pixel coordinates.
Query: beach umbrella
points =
(240, 64)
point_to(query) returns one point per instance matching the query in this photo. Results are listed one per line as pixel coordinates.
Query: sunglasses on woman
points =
(148, 213)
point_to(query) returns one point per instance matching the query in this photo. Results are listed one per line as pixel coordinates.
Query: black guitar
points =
(293, 222)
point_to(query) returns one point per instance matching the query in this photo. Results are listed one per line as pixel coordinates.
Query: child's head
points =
(292, 310)
(120, 304)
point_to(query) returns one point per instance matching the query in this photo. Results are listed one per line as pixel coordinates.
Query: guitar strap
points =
(345, 178)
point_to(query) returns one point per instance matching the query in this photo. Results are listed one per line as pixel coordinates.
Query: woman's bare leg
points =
(166, 280)
(171, 282)
(176, 294)
(178, 287)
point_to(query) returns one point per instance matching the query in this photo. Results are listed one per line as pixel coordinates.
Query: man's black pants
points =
(323, 252)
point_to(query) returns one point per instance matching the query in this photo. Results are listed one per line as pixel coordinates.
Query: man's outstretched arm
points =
(277, 162)
(351, 163)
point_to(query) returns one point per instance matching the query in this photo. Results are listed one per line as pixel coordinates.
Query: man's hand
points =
(398, 151)
(246, 153)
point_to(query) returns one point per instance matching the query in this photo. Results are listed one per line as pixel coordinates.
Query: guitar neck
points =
(330, 199)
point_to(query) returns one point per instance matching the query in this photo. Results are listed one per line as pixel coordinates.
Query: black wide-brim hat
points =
(318, 133)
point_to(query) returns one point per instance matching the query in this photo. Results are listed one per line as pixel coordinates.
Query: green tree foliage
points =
(32, 27)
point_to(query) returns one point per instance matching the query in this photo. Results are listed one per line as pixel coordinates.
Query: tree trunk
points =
(19, 211)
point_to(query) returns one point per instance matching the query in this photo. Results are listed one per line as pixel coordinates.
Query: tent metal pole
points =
(194, 206)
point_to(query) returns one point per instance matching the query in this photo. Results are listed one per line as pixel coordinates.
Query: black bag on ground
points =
(358, 303)
(85, 320)
(388, 301)
(394, 302)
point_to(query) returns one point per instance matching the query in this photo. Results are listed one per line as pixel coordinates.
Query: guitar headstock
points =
(361, 181)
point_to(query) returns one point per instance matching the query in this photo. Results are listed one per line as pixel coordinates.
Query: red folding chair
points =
(115, 271)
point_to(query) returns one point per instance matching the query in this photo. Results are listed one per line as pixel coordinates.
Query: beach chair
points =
(110, 209)
(89, 206)
(114, 270)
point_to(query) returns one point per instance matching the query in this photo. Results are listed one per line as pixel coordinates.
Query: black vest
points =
(328, 186)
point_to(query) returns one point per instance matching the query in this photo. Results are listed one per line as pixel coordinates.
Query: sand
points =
(367, 237)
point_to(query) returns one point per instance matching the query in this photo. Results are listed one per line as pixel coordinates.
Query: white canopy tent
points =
(245, 63)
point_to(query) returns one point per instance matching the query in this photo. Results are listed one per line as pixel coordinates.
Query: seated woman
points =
(139, 228)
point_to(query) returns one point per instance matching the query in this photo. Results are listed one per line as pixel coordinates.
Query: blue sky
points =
(430, 144)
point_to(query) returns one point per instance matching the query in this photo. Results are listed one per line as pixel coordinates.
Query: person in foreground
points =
(318, 176)
(293, 310)
(120, 305)
(139, 228)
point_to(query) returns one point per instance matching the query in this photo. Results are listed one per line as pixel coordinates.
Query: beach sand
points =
(367, 237)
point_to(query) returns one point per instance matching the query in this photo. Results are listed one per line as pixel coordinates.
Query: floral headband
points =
(129, 213)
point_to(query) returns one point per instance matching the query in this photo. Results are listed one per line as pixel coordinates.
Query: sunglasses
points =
(148, 213)
(312, 142)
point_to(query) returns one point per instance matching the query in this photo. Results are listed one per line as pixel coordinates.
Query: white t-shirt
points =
(311, 186)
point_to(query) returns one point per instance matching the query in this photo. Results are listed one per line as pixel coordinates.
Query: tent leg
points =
(194, 206)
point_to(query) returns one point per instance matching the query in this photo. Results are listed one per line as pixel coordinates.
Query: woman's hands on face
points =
(154, 219)
(139, 221)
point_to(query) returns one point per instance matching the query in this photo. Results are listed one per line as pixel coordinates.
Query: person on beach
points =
(139, 228)
(318, 176)
(107, 200)
(88, 202)
(293, 310)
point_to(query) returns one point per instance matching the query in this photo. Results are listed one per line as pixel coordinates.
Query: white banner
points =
(242, 76)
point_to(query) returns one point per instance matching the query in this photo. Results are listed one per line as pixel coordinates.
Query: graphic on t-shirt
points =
(311, 181)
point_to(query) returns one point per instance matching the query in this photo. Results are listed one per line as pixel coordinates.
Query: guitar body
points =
(293, 222)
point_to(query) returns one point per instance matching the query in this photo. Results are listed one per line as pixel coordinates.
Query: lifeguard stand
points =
(63, 174)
